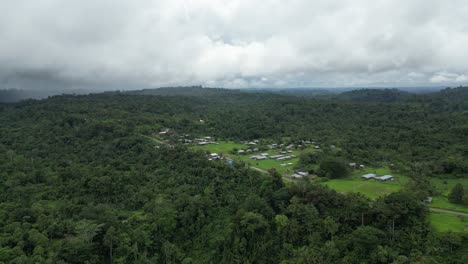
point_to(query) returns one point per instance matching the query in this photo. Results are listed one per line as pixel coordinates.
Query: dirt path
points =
(445, 211)
(257, 169)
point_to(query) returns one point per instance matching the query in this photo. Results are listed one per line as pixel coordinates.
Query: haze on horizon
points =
(234, 44)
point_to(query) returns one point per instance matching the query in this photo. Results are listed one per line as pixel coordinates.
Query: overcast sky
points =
(232, 43)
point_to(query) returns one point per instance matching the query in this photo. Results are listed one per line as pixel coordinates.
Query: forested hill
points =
(375, 95)
(196, 91)
(83, 180)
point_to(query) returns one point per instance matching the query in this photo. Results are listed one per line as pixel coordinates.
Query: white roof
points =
(295, 175)
(214, 154)
(370, 175)
(385, 177)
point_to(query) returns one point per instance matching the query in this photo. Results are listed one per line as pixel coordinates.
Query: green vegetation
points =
(444, 185)
(223, 147)
(443, 203)
(229, 149)
(457, 194)
(448, 222)
(333, 169)
(82, 179)
(370, 188)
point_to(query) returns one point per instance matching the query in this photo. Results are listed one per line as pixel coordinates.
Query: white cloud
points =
(235, 43)
(446, 77)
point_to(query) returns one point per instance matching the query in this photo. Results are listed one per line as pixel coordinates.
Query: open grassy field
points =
(370, 188)
(443, 203)
(448, 222)
(445, 185)
(224, 147)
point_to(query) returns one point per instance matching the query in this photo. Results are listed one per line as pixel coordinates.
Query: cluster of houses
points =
(262, 156)
(379, 178)
(252, 143)
(290, 146)
(205, 141)
(281, 157)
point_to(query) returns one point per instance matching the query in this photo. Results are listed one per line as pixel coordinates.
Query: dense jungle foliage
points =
(81, 181)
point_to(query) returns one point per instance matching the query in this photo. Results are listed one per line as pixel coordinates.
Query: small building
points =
(385, 178)
(317, 147)
(241, 151)
(214, 156)
(164, 132)
(255, 149)
(352, 165)
(284, 158)
(296, 176)
(428, 200)
(265, 154)
(303, 173)
(203, 143)
(369, 176)
(290, 164)
(276, 156)
(283, 165)
(259, 157)
(252, 143)
(362, 167)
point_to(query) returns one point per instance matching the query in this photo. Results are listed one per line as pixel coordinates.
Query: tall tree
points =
(457, 194)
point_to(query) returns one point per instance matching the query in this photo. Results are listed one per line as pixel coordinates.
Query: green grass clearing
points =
(224, 147)
(370, 188)
(447, 222)
(443, 203)
(444, 186)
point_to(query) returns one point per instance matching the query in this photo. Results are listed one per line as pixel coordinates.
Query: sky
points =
(123, 44)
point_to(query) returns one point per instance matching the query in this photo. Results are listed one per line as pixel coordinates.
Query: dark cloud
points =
(117, 44)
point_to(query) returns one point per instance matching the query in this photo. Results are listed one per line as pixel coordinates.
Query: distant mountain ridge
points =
(375, 95)
(358, 95)
(185, 91)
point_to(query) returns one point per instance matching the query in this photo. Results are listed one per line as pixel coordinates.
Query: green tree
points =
(333, 168)
(457, 194)
(109, 240)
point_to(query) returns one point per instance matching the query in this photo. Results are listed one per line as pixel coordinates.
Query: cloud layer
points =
(233, 43)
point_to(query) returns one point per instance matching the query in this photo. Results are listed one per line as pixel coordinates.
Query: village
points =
(283, 156)
(265, 155)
